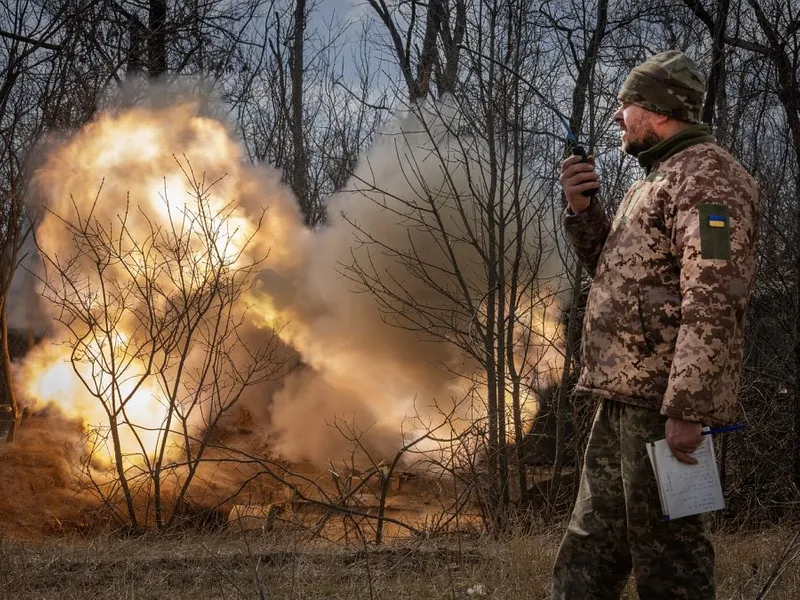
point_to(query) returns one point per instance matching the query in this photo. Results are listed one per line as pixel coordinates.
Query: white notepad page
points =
(687, 489)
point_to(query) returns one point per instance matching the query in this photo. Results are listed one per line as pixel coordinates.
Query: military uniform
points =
(617, 523)
(662, 338)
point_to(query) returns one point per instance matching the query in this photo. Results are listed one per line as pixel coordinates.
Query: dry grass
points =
(239, 566)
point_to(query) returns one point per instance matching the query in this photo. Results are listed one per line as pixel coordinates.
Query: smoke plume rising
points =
(413, 214)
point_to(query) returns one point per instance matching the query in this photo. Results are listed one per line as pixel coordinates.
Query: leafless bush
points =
(156, 331)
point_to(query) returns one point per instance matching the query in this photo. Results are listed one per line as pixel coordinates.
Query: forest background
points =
(314, 91)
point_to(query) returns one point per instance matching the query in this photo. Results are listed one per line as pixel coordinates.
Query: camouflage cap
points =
(668, 83)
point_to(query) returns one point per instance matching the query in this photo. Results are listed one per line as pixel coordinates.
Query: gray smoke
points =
(397, 279)
(379, 364)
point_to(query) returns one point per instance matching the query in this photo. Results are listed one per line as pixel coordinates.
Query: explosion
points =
(149, 258)
(181, 280)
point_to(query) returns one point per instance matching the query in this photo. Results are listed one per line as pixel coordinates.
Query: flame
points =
(140, 175)
(48, 377)
(143, 178)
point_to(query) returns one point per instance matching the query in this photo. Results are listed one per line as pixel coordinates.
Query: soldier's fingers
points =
(580, 184)
(589, 185)
(579, 167)
(575, 177)
(684, 457)
(584, 177)
(572, 159)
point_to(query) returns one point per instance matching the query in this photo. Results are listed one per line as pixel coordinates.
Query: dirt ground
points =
(276, 566)
(51, 547)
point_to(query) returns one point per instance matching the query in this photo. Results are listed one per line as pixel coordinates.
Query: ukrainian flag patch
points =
(716, 221)
(715, 232)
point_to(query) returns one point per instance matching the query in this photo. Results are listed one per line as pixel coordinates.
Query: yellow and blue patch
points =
(715, 231)
(716, 221)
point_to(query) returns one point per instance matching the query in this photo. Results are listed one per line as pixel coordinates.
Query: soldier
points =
(662, 341)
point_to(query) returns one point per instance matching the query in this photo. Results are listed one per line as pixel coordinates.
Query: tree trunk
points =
(451, 42)
(560, 405)
(579, 95)
(796, 445)
(788, 92)
(299, 176)
(11, 398)
(419, 86)
(714, 108)
(429, 55)
(122, 476)
(11, 74)
(587, 66)
(157, 38)
(136, 41)
(716, 79)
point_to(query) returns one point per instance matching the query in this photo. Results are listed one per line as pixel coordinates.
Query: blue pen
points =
(726, 429)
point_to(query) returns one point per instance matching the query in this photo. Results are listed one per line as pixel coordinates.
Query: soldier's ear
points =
(660, 119)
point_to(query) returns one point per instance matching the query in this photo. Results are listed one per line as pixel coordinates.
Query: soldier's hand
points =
(577, 177)
(683, 438)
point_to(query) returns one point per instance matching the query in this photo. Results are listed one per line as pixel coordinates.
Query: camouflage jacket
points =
(671, 279)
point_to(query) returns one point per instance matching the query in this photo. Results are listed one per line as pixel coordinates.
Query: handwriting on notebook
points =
(686, 489)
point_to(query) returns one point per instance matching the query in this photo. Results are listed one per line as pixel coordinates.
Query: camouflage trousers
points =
(617, 523)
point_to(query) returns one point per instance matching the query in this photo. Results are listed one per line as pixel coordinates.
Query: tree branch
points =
(29, 40)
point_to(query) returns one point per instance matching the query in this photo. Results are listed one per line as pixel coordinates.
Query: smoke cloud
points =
(410, 224)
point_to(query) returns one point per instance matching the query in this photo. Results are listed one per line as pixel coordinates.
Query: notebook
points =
(686, 489)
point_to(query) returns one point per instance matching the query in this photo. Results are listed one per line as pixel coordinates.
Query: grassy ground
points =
(239, 566)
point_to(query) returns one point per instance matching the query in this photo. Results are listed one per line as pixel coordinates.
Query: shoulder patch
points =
(715, 231)
(655, 176)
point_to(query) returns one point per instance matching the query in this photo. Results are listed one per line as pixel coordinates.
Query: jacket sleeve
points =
(587, 232)
(704, 377)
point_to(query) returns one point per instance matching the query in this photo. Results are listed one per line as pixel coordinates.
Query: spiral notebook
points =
(686, 489)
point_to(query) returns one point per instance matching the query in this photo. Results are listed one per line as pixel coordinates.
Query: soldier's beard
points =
(642, 142)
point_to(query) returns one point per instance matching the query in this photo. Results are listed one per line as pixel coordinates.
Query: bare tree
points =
(481, 266)
(406, 19)
(158, 318)
(34, 37)
(299, 173)
(771, 31)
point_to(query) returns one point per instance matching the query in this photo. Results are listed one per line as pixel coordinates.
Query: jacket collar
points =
(697, 134)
